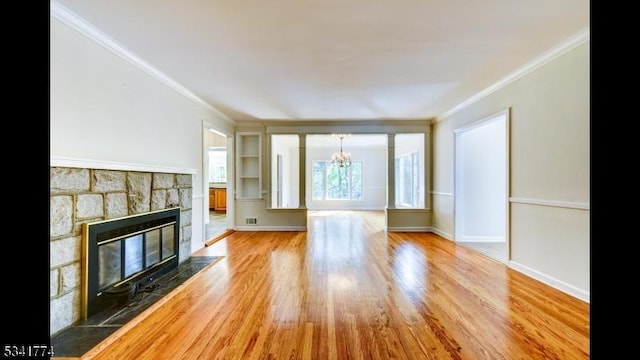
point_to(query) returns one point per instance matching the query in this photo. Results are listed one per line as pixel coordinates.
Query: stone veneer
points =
(79, 196)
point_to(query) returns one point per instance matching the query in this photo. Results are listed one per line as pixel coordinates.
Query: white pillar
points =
(302, 156)
(391, 172)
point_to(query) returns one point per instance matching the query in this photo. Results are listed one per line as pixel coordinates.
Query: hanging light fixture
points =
(341, 158)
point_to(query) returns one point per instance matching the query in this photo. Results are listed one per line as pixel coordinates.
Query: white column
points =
(427, 168)
(391, 172)
(302, 156)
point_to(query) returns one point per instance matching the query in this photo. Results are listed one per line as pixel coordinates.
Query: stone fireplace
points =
(83, 196)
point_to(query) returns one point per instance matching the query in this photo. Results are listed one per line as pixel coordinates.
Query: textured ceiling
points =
(335, 59)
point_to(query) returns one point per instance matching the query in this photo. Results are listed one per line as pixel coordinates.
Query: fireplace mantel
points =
(68, 162)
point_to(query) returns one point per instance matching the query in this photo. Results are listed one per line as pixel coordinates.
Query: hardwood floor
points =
(346, 289)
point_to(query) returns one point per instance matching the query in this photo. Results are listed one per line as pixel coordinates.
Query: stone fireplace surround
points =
(82, 195)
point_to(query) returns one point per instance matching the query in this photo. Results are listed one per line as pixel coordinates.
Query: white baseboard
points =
(310, 208)
(269, 228)
(409, 229)
(558, 284)
(483, 239)
(444, 234)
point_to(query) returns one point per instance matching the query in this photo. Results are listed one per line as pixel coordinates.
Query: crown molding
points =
(83, 27)
(549, 55)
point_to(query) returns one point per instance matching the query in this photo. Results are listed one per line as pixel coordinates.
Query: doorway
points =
(481, 207)
(217, 183)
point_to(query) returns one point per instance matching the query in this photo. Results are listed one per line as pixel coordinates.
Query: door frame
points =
(206, 126)
(458, 204)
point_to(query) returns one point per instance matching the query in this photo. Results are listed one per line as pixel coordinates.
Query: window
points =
(331, 182)
(217, 165)
(409, 171)
(407, 180)
(285, 174)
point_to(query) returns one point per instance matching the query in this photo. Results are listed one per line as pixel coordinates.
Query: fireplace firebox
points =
(126, 253)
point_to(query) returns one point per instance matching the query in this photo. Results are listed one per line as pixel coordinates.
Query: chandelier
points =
(341, 158)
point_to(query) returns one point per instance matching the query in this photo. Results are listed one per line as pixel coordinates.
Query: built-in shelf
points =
(248, 165)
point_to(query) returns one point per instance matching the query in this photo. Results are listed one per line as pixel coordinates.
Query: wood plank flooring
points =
(346, 289)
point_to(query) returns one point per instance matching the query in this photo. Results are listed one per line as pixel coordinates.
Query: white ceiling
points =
(335, 59)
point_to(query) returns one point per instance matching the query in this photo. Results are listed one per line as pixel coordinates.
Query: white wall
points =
(108, 110)
(481, 187)
(374, 178)
(549, 210)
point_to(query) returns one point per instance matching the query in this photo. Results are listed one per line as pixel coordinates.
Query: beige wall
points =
(408, 220)
(268, 219)
(549, 169)
(213, 139)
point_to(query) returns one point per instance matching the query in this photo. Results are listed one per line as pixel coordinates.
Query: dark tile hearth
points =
(79, 338)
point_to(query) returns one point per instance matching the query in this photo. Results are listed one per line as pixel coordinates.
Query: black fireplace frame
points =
(119, 229)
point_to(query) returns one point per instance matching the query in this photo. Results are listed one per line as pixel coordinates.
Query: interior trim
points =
(109, 165)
